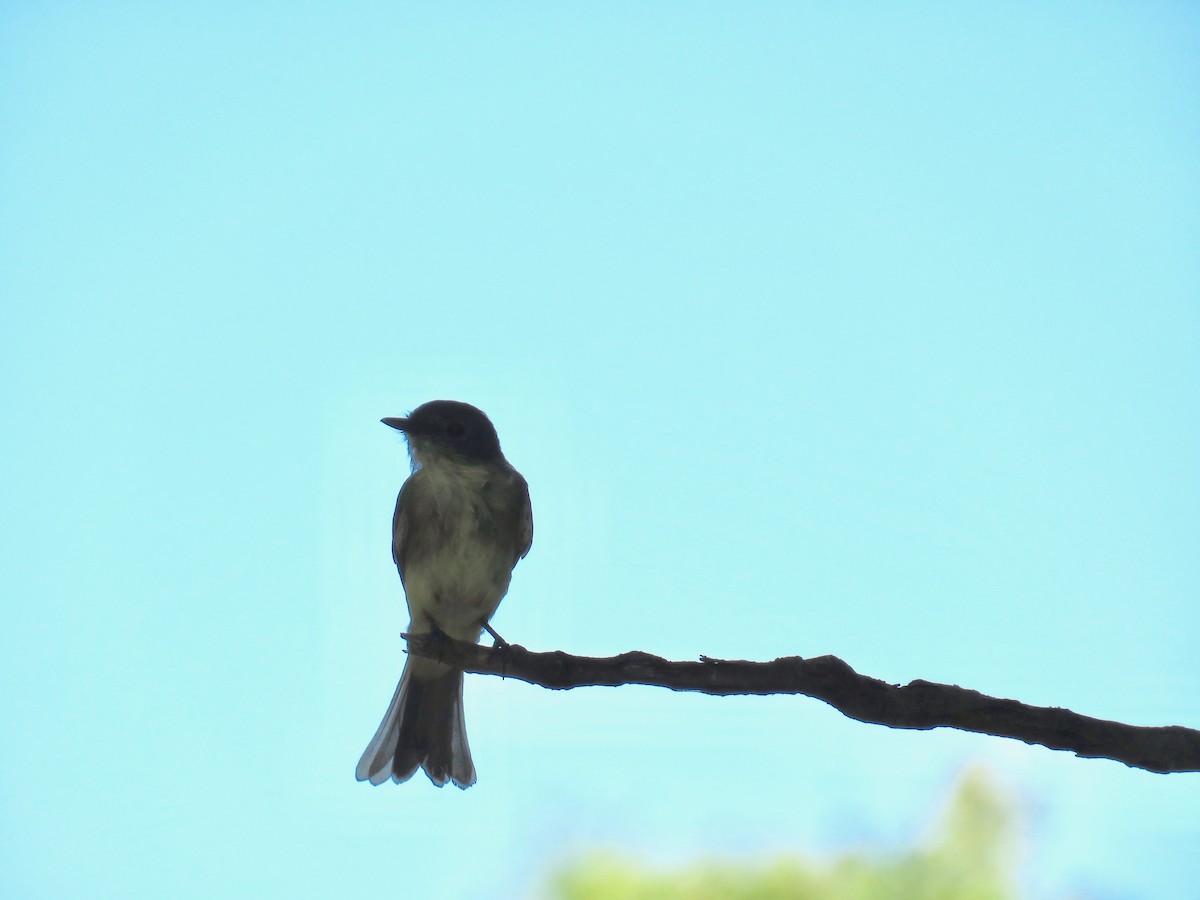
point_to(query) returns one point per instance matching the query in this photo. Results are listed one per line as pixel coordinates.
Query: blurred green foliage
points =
(970, 854)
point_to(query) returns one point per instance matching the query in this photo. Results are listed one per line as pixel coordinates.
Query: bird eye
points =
(455, 430)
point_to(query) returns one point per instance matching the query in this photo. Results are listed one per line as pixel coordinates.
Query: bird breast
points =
(456, 572)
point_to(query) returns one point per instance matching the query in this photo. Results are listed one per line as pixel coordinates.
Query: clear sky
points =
(816, 328)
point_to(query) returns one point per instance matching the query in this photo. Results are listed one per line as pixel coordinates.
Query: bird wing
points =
(400, 531)
(524, 520)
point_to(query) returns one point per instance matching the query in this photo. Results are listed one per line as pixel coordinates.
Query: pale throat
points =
(444, 475)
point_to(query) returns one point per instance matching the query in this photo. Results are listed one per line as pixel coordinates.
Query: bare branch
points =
(918, 704)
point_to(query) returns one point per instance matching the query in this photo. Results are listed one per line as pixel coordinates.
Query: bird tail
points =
(423, 727)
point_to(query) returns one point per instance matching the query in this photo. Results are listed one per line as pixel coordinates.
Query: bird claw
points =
(499, 642)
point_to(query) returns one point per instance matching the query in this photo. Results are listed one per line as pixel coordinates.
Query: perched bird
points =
(462, 522)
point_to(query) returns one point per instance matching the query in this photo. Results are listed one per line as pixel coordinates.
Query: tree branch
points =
(918, 704)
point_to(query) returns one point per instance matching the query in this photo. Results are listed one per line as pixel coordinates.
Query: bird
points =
(463, 521)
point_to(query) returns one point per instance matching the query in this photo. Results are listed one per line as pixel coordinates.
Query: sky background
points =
(815, 328)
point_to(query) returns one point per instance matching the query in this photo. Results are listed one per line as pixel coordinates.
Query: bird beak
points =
(398, 424)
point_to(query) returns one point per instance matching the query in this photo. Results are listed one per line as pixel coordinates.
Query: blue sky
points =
(815, 329)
